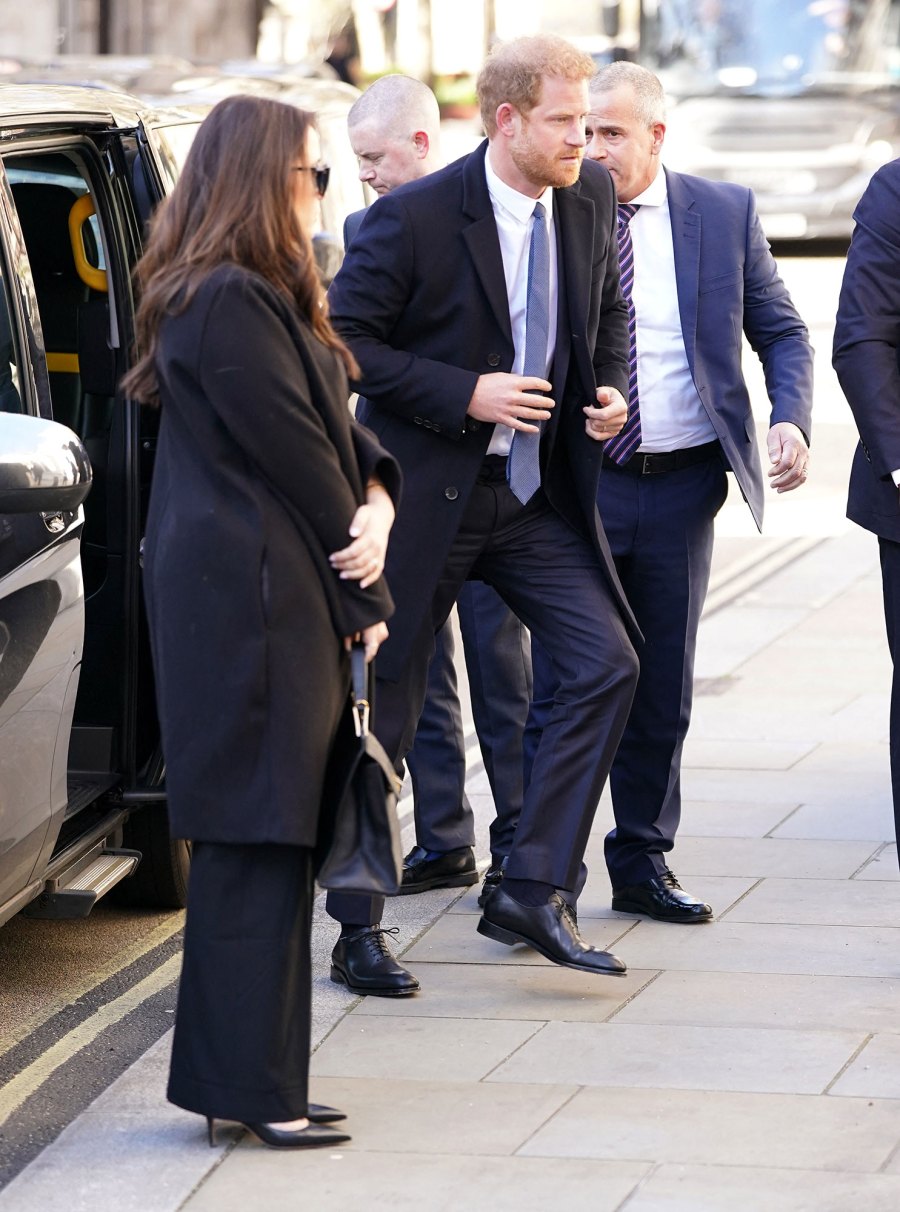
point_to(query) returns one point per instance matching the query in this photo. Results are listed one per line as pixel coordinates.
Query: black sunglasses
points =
(320, 175)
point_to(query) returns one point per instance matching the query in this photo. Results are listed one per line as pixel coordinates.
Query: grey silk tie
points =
(524, 468)
(626, 442)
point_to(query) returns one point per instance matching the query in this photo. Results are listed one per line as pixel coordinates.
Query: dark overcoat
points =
(259, 471)
(421, 300)
(867, 353)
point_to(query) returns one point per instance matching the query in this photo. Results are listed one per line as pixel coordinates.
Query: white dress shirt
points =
(512, 214)
(672, 413)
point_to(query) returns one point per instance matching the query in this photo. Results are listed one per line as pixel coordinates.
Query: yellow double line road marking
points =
(26, 1083)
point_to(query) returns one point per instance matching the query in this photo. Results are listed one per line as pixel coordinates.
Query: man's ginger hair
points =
(514, 72)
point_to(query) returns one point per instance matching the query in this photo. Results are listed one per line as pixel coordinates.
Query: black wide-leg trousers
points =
(242, 1028)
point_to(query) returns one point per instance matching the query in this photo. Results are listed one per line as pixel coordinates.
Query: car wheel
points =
(161, 879)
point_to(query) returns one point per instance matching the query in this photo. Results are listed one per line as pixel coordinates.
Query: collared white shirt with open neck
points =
(672, 413)
(512, 214)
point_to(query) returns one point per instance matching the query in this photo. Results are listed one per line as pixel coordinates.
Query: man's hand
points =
(505, 400)
(607, 419)
(789, 456)
(363, 560)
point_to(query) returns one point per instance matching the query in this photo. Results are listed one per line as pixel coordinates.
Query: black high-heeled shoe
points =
(318, 1114)
(313, 1135)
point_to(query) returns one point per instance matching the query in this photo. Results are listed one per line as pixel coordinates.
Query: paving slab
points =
(455, 1117)
(728, 946)
(875, 1073)
(397, 1182)
(883, 866)
(791, 858)
(511, 991)
(753, 999)
(752, 1188)
(873, 820)
(657, 1056)
(797, 1131)
(719, 754)
(700, 818)
(820, 902)
(418, 1048)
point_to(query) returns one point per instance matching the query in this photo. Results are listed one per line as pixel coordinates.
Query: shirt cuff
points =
(895, 476)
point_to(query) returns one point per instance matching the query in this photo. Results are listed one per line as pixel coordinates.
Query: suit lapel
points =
(482, 241)
(685, 223)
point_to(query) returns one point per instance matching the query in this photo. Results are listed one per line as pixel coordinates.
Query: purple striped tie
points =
(625, 443)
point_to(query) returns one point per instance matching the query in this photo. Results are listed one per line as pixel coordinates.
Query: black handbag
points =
(359, 845)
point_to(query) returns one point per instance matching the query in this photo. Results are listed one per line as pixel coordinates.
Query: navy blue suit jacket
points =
(421, 300)
(728, 283)
(866, 350)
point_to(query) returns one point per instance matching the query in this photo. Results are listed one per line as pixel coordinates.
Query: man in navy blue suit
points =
(394, 130)
(866, 353)
(702, 274)
(483, 306)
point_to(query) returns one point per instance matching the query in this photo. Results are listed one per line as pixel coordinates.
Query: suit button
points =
(451, 493)
(493, 359)
(417, 420)
(435, 427)
(474, 426)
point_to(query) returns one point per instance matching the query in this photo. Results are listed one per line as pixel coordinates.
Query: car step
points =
(75, 891)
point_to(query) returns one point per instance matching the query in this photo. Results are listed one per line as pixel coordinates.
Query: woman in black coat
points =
(266, 536)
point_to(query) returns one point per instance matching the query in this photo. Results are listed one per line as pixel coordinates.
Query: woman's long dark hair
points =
(233, 204)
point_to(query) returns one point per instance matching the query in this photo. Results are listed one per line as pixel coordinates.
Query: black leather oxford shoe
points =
(662, 898)
(550, 929)
(363, 962)
(425, 869)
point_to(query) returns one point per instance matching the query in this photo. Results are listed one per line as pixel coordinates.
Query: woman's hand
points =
(373, 637)
(363, 560)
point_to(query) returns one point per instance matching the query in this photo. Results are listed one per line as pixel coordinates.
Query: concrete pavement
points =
(750, 1063)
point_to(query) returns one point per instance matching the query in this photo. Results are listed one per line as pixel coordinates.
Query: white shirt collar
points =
(655, 194)
(520, 206)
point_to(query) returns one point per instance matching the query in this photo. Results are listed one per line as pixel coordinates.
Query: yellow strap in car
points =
(91, 276)
(63, 363)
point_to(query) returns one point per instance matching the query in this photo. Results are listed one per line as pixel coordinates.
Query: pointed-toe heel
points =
(310, 1137)
(211, 1131)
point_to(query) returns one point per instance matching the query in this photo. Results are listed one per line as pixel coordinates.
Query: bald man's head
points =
(394, 130)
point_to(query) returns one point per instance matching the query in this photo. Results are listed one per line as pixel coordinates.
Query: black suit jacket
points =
(421, 300)
(866, 352)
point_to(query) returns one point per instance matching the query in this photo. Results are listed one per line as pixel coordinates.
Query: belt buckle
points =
(646, 464)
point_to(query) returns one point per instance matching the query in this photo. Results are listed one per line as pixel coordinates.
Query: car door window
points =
(10, 386)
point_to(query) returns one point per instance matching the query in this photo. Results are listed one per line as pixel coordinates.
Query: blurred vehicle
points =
(82, 774)
(798, 99)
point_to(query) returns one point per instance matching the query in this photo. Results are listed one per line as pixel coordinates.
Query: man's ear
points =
(422, 142)
(659, 134)
(507, 119)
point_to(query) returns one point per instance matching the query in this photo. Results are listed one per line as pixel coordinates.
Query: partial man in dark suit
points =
(699, 272)
(867, 361)
(483, 305)
(394, 130)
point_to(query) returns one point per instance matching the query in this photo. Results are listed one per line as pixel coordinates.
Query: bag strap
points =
(360, 682)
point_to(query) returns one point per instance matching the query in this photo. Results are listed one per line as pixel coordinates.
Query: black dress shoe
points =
(424, 869)
(550, 929)
(493, 877)
(363, 962)
(661, 898)
(312, 1136)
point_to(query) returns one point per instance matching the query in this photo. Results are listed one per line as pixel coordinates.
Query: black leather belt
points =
(647, 464)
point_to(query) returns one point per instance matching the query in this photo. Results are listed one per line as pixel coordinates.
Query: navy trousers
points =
(498, 664)
(890, 580)
(660, 529)
(550, 576)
